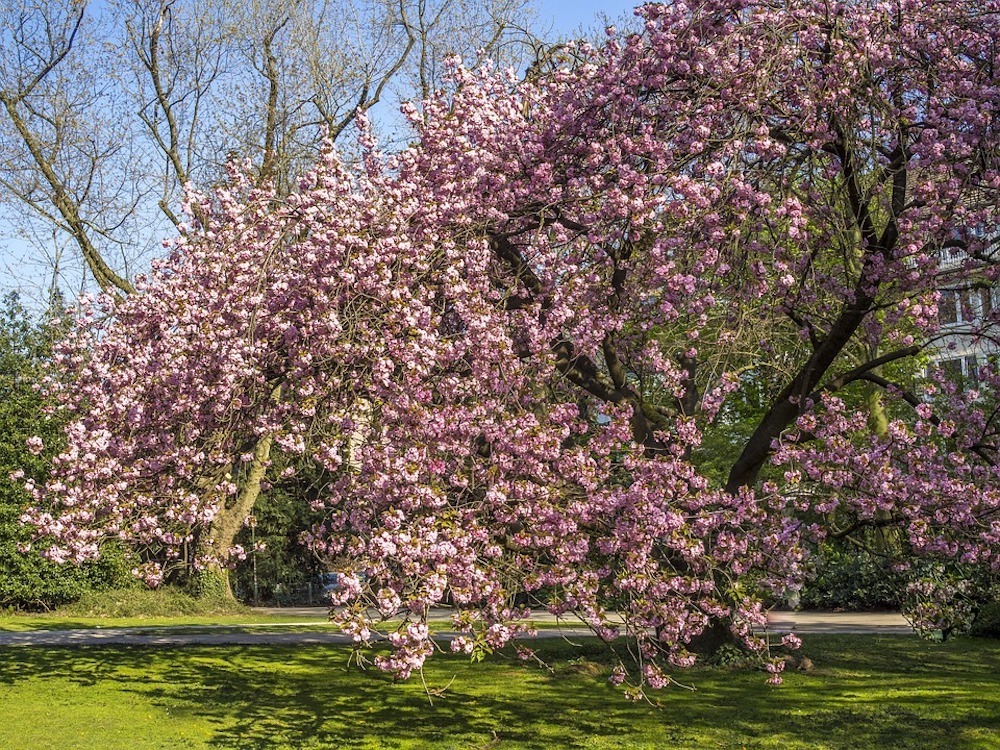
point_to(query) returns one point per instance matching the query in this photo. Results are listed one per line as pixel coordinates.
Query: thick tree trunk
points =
(716, 635)
(212, 580)
(211, 583)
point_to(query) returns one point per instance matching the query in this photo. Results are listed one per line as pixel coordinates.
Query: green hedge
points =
(987, 622)
(854, 581)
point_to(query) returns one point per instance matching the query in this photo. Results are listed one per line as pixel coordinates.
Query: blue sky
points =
(569, 15)
(20, 266)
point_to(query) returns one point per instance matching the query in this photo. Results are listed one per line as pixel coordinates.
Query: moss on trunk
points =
(212, 579)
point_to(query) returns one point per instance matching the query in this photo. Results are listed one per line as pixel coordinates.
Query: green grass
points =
(62, 621)
(889, 693)
(138, 607)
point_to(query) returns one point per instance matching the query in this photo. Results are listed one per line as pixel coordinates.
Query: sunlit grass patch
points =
(865, 692)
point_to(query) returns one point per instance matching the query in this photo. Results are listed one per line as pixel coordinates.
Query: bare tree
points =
(56, 158)
(108, 111)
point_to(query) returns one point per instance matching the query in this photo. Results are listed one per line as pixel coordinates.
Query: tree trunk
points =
(212, 579)
(715, 635)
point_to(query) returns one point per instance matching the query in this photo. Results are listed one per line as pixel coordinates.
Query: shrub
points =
(28, 582)
(853, 580)
(987, 622)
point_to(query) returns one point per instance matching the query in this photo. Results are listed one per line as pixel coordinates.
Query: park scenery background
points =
(402, 308)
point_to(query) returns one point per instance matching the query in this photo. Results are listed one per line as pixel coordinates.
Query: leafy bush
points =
(854, 581)
(987, 622)
(940, 600)
(731, 655)
(29, 582)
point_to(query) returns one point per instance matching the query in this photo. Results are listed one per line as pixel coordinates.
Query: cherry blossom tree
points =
(500, 349)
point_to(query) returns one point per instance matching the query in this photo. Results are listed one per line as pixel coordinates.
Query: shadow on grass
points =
(866, 692)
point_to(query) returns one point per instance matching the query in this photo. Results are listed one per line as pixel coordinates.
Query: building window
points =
(971, 371)
(964, 305)
(961, 370)
(952, 368)
(948, 307)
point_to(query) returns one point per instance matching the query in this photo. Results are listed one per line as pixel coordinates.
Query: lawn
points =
(62, 621)
(865, 692)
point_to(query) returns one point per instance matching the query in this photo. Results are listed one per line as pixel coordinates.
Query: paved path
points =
(160, 637)
(799, 622)
(838, 622)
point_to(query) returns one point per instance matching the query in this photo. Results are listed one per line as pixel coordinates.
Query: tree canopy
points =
(500, 349)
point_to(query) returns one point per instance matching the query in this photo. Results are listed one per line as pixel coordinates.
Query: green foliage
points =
(725, 438)
(30, 582)
(285, 565)
(731, 655)
(987, 622)
(27, 580)
(853, 580)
